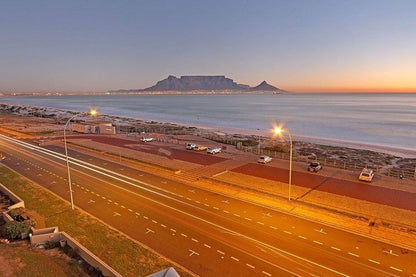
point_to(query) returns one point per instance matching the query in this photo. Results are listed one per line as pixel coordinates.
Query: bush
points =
(30, 222)
(15, 212)
(50, 244)
(14, 229)
(278, 148)
(250, 142)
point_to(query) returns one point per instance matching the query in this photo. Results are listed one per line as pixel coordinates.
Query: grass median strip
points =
(118, 251)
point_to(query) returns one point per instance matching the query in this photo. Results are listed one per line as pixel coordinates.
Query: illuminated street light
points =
(279, 131)
(93, 113)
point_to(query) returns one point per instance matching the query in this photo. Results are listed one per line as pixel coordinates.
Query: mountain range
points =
(203, 83)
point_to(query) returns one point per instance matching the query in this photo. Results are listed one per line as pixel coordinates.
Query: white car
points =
(191, 146)
(366, 175)
(213, 150)
(264, 159)
(147, 139)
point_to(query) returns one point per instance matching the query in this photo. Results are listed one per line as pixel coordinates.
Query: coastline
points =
(22, 110)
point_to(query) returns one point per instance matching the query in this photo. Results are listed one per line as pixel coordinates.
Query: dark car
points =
(314, 166)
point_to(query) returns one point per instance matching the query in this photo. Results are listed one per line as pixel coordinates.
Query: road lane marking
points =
(196, 201)
(302, 237)
(249, 265)
(397, 269)
(390, 252)
(247, 218)
(195, 240)
(287, 232)
(206, 245)
(266, 273)
(130, 210)
(116, 214)
(216, 208)
(335, 248)
(206, 205)
(145, 217)
(353, 254)
(173, 230)
(373, 261)
(193, 252)
(320, 231)
(188, 198)
(237, 215)
(227, 212)
(103, 198)
(122, 206)
(183, 235)
(274, 228)
(235, 259)
(154, 221)
(261, 223)
(317, 242)
(137, 213)
(149, 231)
(163, 225)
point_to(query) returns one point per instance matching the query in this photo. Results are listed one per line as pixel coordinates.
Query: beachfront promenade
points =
(211, 189)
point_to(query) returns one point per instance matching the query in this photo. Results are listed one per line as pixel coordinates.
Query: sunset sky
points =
(295, 45)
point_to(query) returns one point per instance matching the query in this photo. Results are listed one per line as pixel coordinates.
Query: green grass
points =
(121, 253)
(32, 263)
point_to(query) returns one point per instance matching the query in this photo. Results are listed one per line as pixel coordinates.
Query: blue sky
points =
(296, 45)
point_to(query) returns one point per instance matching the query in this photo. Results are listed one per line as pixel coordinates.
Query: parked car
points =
(191, 146)
(147, 139)
(2, 157)
(200, 148)
(213, 150)
(366, 175)
(264, 159)
(314, 166)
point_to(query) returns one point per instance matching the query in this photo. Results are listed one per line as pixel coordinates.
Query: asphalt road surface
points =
(207, 233)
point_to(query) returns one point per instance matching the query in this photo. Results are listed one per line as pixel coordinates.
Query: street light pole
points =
(92, 112)
(279, 131)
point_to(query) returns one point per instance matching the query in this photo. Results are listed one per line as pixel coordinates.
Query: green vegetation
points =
(14, 229)
(121, 253)
(26, 262)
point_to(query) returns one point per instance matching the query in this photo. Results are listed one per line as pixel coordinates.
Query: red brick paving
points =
(358, 190)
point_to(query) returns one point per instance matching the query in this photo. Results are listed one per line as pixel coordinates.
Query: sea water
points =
(380, 119)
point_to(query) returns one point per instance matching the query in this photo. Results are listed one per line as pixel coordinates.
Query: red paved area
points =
(314, 181)
(172, 153)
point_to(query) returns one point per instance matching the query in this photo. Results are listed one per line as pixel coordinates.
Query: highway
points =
(207, 233)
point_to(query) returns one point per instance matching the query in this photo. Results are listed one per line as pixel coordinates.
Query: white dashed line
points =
(154, 221)
(122, 206)
(145, 217)
(261, 223)
(249, 219)
(137, 213)
(216, 208)
(317, 242)
(163, 225)
(302, 237)
(335, 248)
(249, 265)
(206, 245)
(195, 240)
(227, 212)
(266, 273)
(206, 205)
(374, 261)
(197, 202)
(287, 232)
(183, 235)
(274, 228)
(173, 230)
(237, 215)
(235, 259)
(353, 254)
(397, 269)
(130, 210)
(220, 252)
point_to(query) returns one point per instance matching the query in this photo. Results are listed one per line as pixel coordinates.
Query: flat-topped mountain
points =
(203, 83)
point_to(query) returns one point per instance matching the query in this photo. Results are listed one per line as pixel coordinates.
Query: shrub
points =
(30, 222)
(278, 148)
(14, 229)
(250, 142)
(15, 212)
(50, 244)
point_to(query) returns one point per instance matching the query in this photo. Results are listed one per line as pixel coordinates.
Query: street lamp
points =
(279, 131)
(93, 113)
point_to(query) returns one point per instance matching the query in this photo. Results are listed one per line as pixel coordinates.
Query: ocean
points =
(377, 119)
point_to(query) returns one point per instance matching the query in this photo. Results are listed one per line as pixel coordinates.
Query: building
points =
(93, 127)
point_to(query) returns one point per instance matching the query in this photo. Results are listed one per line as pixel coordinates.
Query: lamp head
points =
(93, 112)
(277, 130)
